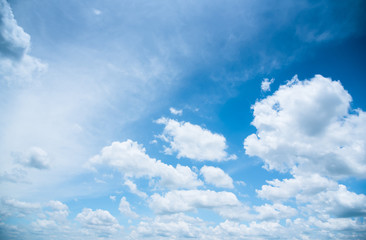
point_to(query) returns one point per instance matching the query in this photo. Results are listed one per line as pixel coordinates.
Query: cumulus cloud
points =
(13, 207)
(15, 63)
(35, 157)
(175, 226)
(217, 177)
(266, 84)
(275, 211)
(306, 126)
(124, 208)
(321, 195)
(176, 111)
(194, 142)
(189, 200)
(98, 222)
(299, 186)
(59, 211)
(133, 188)
(130, 159)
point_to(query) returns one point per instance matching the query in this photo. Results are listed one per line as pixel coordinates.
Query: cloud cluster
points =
(16, 66)
(308, 127)
(189, 200)
(194, 142)
(98, 222)
(131, 160)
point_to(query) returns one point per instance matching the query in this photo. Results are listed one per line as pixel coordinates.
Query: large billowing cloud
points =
(130, 159)
(308, 126)
(194, 142)
(15, 63)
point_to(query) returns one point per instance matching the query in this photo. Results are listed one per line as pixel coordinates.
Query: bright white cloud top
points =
(94, 143)
(308, 127)
(194, 142)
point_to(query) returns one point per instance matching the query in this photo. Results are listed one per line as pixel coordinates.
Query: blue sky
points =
(182, 119)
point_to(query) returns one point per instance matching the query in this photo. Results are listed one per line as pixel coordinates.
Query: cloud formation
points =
(124, 208)
(189, 200)
(99, 222)
(308, 127)
(266, 84)
(193, 142)
(217, 177)
(130, 159)
(35, 157)
(16, 66)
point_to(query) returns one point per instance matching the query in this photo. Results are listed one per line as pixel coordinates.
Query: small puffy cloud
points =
(16, 66)
(194, 142)
(189, 200)
(113, 198)
(217, 177)
(130, 158)
(133, 188)
(97, 11)
(266, 84)
(124, 208)
(176, 111)
(306, 126)
(98, 222)
(35, 157)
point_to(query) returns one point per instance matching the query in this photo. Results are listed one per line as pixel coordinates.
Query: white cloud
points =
(261, 230)
(133, 188)
(97, 11)
(60, 211)
(339, 203)
(217, 177)
(322, 196)
(338, 224)
(266, 84)
(124, 208)
(194, 142)
(299, 186)
(13, 207)
(99, 222)
(175, 226)
(130, 159)
(306, 127)
(275, 211)
(35, 157)
(189, 200)
(16, 66)
(176, 111)
(113, 198)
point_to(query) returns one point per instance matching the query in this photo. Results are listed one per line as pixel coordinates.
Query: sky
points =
(182, 119)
